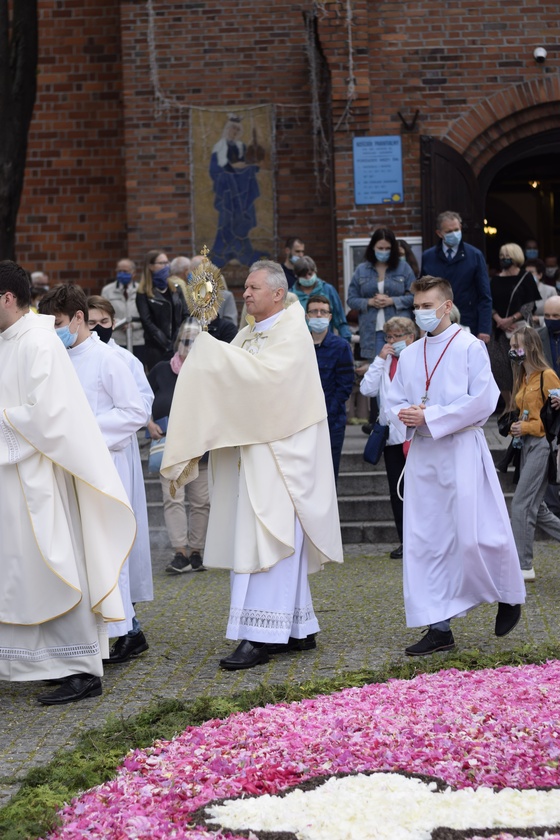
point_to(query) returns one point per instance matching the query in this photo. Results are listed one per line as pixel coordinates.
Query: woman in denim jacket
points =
(379, 290)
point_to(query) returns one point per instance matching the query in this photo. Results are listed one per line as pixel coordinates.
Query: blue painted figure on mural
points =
(236, 190)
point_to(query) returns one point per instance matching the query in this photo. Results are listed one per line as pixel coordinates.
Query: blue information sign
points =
(378, 170)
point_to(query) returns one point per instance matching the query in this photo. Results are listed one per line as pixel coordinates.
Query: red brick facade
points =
(108, 170)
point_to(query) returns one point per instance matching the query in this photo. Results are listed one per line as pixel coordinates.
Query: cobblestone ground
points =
(360, 609)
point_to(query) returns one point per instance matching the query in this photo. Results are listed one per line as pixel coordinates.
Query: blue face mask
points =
(68, 338)
(159, 278)
(294, 258)
(318, 325)
(552, 324)
(532, 253)
(453, 238)
(427, 319)
(124, 277)
(307, 281)
(382, 256)
(398, 347)
(402, 259)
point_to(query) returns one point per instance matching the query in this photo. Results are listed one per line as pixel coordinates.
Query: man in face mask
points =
(122, 294)
(294, 250)
(336, 369)
(551, 271)
(550, 332)
(465, 268)
(120, 411)
(459, 550)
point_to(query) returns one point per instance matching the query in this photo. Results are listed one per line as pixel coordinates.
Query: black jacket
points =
(161, 316)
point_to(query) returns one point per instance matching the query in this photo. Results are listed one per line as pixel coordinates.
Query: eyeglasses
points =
(396, 336)
(161, 262)
(318, 313)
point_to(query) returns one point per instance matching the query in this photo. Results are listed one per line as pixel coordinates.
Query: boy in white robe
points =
(260, 408)
(67, 527)
(459, 550)
(120, 412)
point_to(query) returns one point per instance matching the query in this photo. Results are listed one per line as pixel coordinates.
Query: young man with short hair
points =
(459, 550)
(120, 412)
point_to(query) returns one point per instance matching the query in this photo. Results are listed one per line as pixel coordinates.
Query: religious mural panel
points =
(232, 155)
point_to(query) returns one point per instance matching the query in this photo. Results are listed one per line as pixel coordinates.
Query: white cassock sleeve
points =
(127, 414)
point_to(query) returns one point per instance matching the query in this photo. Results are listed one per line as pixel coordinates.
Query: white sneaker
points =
(528, 574)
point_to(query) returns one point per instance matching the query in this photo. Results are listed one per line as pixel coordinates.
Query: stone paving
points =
(360, 609)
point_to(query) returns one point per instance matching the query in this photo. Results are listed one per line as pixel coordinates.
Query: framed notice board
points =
(378, 175)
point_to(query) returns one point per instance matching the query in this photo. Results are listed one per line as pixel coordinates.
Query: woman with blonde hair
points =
(514, 293)
(161, 306)
(532, 381)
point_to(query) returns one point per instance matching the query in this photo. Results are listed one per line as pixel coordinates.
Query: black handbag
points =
(505, 421)
(376, 443)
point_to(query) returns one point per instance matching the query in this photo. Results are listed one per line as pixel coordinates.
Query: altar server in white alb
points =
(67, 527)
(459, 550)
(120, 412)
(261, 411)
(101, 320)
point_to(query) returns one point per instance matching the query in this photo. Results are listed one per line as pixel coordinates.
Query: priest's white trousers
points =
(271, 606)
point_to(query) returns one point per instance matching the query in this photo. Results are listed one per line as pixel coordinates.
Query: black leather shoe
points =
(293, 645)
(432, 642)
(76, 687)
(126, 647)
(397, 553)
(246, 655)
(507, 618)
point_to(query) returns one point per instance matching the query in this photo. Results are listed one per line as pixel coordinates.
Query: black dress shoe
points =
(293, 645)
(126, 647)
(507, 618)
(432, 642)
(246, 655)
(76, 687)
(397, 553)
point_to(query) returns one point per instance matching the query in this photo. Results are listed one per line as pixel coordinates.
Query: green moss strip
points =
(31, 813)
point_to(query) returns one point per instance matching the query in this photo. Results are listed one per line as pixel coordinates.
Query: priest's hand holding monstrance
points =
(204, 291)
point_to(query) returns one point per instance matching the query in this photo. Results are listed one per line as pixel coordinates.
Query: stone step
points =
(375, 483)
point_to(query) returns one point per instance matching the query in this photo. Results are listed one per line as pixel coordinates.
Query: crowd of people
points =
(433, 348)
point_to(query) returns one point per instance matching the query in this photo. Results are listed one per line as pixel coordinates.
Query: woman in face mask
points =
(379, 290)
(514, 293)
(532, 381)
(399, 333)
(161, 306)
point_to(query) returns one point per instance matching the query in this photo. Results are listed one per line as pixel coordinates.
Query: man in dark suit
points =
(464, 267)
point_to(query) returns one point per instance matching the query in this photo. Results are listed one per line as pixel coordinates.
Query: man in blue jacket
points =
(464, 267)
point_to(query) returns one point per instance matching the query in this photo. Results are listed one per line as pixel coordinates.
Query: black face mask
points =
(515, 358)
(104, 333)
(506, 262)
(552, 324)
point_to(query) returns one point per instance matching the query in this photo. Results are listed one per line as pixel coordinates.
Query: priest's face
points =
(260, 299)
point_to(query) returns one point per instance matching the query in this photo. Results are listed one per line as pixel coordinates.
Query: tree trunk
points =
(18, 87)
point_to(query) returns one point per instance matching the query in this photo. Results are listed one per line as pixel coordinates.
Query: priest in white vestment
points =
(120, 411)
(67, 526)
(260, 409)
(459, 550)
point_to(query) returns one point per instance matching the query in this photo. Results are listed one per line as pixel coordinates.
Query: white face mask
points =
(427, 319)
(398, 347)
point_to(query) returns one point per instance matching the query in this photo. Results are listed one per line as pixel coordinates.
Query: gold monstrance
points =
(204, 291)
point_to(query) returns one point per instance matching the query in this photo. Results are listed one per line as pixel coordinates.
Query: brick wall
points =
(109, 170)
(467, 66)
(72, 217)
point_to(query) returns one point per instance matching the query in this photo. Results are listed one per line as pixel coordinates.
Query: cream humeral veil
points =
(51, 448)
(263, 416)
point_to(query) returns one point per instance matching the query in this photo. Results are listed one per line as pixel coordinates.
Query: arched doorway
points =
(521, 192)
(517, 191)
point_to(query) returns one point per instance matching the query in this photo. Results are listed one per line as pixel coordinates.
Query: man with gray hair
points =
(464, 267)
(261, 412)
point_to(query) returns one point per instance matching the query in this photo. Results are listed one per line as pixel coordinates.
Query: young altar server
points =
(67, 526)
(120, 412)
(101, 320)
(459, 550)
